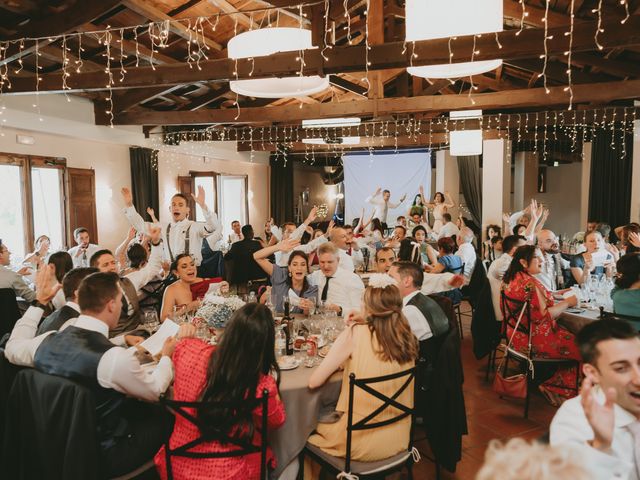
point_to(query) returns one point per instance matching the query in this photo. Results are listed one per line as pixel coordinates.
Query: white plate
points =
(290, 365)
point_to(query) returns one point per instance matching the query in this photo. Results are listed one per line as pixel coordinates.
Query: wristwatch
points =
(37, 304)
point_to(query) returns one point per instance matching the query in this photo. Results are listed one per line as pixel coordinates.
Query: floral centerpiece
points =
(217, 310)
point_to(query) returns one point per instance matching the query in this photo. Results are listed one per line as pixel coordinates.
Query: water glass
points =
(179, 313)
(151, 322)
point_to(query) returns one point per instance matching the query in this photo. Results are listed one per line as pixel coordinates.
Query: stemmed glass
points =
(151, 321)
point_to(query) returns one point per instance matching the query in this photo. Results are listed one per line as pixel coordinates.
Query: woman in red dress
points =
(240, 366)
(189, 289)
(548, 339)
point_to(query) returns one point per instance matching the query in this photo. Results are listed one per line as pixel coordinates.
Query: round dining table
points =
(304, 409)
(574, 319)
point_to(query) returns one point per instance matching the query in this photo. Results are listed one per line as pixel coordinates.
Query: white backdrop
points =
(400, 173)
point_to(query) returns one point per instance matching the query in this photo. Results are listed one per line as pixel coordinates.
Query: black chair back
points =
(368, 423)
(511, 309)
(632, 319)
(245, 446)
(9, 311)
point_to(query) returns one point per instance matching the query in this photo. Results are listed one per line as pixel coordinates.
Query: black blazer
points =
(57, 319)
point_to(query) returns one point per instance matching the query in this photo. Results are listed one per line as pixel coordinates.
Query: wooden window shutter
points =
(81, 188)
(185, 186)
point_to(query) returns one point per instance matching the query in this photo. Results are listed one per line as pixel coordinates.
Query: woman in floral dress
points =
(548, 339)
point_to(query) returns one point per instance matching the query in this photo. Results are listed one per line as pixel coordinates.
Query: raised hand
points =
(288, 245)
(634, 239)
(24, 271)
(44, 247)
(152, 214)
(506, 217)
(329, 228)
(127, 196)
(155, 234)
(378, 190)
(313, 214)
(600, 417)
(46, 284)
(199, 199)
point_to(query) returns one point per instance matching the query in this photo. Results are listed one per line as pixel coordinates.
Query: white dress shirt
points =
(497, 269)
(118, 368)
(436, 282)
(419, 325)
(235, 237)
(468, 255)
(83, 259)
(282, 260)
(198, 231)
(547, 275)
(141, 277)
(345, 289)
(449, 229)
(381, 208)
(570, 427)
(11, 279)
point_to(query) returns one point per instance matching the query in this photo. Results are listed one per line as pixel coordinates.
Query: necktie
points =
(385, 210)
(634, 428)
(84, 258)
(325, 290)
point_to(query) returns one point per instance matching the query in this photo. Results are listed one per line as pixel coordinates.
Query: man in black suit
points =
(70, 310)
(245, 273)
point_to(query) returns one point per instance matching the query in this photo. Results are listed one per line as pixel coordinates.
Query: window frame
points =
(26, 163)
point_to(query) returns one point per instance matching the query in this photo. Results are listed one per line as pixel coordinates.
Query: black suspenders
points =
(186, 241)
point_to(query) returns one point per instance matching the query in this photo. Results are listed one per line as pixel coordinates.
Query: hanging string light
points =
(568, 53)
(599, 28)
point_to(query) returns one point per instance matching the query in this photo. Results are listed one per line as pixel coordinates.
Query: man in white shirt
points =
(499, 267)
(181, 235)
(425, 316)
(82, 252)
(385, 257)
(382, 205)
(83, 353)
(551, 270)
(339, 289)
(603, 422)
(448, 228)
(236, 232)
(290, 231)
(466, 252)
(350, 254)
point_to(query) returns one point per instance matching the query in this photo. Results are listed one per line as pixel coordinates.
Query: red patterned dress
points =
(548, 340)
(191, 360)
(200, 289)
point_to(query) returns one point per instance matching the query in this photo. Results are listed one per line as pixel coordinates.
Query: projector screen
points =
(400, 173)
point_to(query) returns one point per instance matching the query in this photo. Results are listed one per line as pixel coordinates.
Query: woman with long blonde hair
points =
(377, 342)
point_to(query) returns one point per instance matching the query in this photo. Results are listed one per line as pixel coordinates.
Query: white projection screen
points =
(401, 172)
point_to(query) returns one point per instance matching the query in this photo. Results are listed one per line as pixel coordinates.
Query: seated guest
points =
(384, 259)
(626, 293)
(84, 250)
(62, 263)
(401, 220)
(496, 245)
(424, 315)
(593, 261)
(548, 339)
(399, 234)
(70, 309)
(128, 432)
(40, 253)
(377, 232)
(350, 254)
(290, 278)
(418, 221)
(130, 315)
(236, 232)
(602, 423)
(238, 368)
(629, 237)
(448, 228)
(245, 270)
(409, 251)
(378, 342)
(338, 289)
(553, 264)
(11, 279)
(488, 252)
(466, 252)
(428, 254)
(447, 261)
(605, 230)
(499, 267)
(519, 459)
(188, 290)
(289, 230)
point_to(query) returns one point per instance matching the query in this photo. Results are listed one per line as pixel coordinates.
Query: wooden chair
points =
(348, 468)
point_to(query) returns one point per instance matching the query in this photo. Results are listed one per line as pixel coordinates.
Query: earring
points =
(289, 273)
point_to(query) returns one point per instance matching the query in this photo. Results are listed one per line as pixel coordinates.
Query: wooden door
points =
(81, 201)
(185, 187)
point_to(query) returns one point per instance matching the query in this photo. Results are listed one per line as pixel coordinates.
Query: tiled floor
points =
(488, 417)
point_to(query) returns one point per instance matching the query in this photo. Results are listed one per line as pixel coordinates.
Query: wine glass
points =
(151, 321)
(179, 313)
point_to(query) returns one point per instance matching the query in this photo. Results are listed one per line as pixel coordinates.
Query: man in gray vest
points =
(425, 316)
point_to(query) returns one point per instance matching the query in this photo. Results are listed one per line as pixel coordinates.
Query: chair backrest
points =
(49, 420)
(368, 422)
(511, 309)
(9, 311)
(244, 446)
(604, 315)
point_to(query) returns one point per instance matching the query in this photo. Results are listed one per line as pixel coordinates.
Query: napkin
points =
(154, 343)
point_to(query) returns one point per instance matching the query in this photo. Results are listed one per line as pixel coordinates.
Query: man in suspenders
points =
(180, 235)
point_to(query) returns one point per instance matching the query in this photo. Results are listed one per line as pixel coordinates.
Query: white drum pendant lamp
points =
(264, 42)
(428, 19)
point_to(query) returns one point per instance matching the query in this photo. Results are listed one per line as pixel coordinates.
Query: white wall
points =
(563, 198)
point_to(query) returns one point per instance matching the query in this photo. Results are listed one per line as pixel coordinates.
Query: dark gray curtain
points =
(281, 189)
(610, 185)
(469, 171)
(144, 179)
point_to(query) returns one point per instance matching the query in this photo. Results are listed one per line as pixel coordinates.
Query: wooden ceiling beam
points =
(242, 18)
(142, 8)
(509, 99)
(348, 86)
(348, 59)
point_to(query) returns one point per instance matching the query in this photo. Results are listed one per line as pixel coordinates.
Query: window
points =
(31, 202)
(206, 181)
(233, 201)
